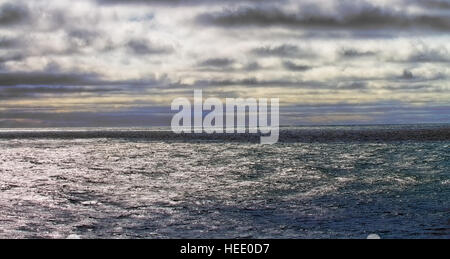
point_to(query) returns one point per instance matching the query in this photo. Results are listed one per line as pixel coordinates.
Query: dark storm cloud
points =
(226, 65)
(21, 91)
(284, 50)
(291, 66)
(253, 66)
(407, 75)
(10, 56)
(183, 2)
(430, 55)
(353, 86)
(404, 81)
(12, 79)
(365, 18)
(12, 14)
(217, 62)
(83, 35)
(33, 85)
(144, 47)
(6, 43)
(67, 79)
(275, 83)
(415, 87)
(249, 82)
(354, 53)
(411, 77)
(434, 4)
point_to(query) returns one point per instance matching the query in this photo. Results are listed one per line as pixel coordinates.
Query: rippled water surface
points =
(132, 188)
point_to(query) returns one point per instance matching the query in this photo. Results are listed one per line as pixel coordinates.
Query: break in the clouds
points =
(121, 62)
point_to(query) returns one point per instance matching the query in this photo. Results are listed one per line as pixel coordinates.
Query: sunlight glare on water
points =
(134, 188)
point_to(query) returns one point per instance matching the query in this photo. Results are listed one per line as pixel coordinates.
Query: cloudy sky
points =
(122, 62)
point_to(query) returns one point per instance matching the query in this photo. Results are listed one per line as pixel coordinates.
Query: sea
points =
(149, 183)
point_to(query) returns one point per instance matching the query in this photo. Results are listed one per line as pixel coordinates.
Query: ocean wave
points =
(287, 135)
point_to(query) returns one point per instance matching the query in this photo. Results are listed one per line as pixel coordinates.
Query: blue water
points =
(147, 188)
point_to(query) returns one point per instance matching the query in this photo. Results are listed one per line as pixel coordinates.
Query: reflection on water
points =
(54, 188)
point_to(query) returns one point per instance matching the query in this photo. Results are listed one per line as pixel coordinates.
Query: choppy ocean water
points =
(318, 182)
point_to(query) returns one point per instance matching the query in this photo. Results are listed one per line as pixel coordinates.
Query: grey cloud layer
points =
(12, 14)
(367, 18)
(144, 47)
(65, 79)
(112, 50)
(353, 53)
(217, 62)
(11, 79)
(181, 2)
(289, 65)
(435, 4)
(284, 50)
